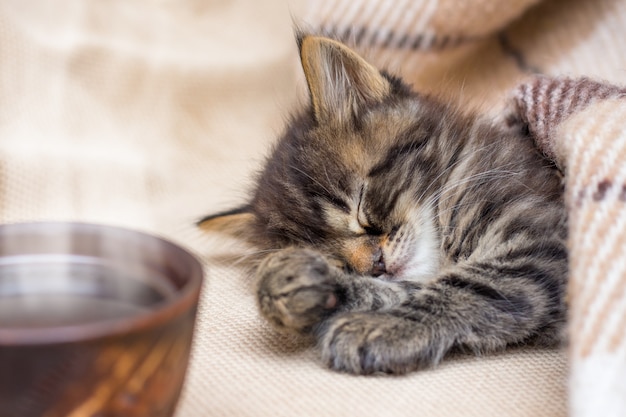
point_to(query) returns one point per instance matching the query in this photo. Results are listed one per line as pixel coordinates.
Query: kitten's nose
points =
(378, 267)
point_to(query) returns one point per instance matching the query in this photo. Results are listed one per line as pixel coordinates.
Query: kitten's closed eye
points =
(339, 203)
(372, 230)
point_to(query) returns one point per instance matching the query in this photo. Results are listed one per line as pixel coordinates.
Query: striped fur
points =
(402, 228)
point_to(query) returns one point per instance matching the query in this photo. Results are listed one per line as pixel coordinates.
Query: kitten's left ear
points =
(236, 222)
(340, 81)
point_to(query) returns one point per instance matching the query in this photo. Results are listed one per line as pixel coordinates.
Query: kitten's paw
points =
(296, 289)
(365, 343)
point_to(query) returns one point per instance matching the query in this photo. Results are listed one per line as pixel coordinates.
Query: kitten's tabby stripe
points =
(527, 270)
(384, 208)
(551, 291)
(517, 226)
(554, 251)
(516, 305)
(337, 202)
(470, 234)
(396, 155)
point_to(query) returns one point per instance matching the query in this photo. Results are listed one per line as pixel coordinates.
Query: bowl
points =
(95, 321)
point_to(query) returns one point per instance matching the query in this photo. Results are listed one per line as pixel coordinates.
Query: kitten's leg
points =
(366, 324)
(482, 307)
(298, 289)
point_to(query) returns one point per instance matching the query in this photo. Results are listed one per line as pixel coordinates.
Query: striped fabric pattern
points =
(582, 124)
(545, 103)
(416, 25)
(594, 145)
(392, 32)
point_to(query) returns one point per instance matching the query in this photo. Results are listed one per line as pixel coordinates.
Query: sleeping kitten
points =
(399, 227)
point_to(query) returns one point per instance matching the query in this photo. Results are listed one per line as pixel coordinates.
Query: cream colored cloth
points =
(151, 114)
(596, 153)
(581, 124)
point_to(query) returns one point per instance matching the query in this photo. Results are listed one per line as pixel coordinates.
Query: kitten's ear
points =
(235, 222)
(340, 81)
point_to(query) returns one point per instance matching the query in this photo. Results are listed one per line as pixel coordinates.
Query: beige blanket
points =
(150, 114)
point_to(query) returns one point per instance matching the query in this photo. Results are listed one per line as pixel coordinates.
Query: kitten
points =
(401, 228)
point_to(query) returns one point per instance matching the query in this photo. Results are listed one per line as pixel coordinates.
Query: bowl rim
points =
(186, 298)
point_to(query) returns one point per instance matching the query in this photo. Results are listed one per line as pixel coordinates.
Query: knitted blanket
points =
(150, 114)
(578, 122)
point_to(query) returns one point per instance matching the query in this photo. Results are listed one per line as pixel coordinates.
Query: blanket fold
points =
(581, 124)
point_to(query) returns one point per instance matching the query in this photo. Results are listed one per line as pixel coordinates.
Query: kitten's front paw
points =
(365, 343)
(296, 289)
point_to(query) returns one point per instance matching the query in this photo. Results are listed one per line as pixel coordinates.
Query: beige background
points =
(151, 114)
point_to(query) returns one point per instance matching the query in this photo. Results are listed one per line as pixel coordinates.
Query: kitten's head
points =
(344, 178)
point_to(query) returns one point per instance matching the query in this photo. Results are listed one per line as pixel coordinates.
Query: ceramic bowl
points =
(95, 321)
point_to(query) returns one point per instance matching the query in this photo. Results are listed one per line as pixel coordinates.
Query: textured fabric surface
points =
(545, 103)
(596, 151)
(151, 114)
(415, 25)
(582, 125)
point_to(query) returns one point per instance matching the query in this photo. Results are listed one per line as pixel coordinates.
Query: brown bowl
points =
(95, 321)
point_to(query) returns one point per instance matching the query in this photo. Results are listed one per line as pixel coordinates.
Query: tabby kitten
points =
(400, 228)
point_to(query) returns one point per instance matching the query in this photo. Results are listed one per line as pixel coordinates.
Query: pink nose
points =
(378, 266)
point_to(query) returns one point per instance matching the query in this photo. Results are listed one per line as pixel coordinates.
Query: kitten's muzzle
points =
(364, 255)
(378, 267)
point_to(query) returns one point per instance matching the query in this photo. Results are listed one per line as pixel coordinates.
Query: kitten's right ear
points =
(340, 81)
(236, 222)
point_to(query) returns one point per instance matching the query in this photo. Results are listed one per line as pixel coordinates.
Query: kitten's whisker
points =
(452, 166)
(456, 206)
(327, 177)
(479, 178)
(437, 197)
(312, 179)
(251, 255)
